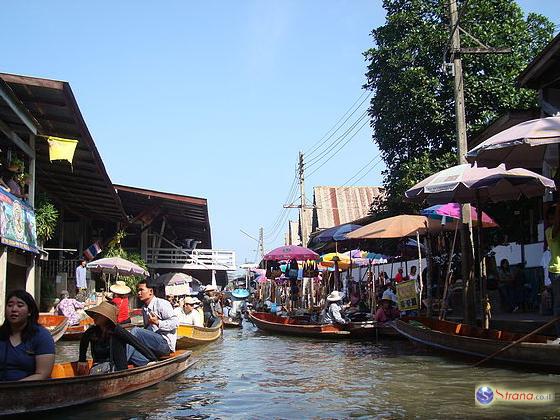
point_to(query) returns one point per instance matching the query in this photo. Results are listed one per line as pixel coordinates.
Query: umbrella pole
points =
(483, 293)
(419, 271)
(443, 305)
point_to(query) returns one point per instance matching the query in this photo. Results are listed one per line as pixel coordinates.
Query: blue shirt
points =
(19, 361)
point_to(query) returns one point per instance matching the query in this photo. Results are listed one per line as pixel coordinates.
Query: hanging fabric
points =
(61, 148)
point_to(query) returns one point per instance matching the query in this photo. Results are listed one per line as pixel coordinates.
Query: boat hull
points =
(66, 390)
(189, 336)
(75, 332)
(474, 341)
(230, 323)
(56, 324)
(286, 326)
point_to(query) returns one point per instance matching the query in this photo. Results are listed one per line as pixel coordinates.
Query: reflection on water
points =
(250, 374)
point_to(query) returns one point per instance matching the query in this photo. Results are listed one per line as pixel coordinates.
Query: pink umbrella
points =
(453, 211)
(290, 252)
(521, 145)
(117, 265)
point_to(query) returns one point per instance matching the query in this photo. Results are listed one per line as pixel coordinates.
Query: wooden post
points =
(3, 281)
(30, 279)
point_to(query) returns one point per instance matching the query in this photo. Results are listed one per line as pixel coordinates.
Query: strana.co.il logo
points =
(484, 395)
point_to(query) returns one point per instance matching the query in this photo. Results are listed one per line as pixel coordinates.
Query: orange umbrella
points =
(396, 227)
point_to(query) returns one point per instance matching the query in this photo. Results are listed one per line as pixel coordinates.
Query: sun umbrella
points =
(468, 184)
(521, 145)
(328, 260)
(117, 265)
(394, 227)
(290, 252)
(336, 233)
(453, 211)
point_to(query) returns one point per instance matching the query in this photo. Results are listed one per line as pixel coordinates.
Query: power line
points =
(340, 148)
(323, 140)
(315, 160)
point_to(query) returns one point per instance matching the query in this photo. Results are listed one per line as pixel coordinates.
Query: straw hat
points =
(210, 288)
(120, 288)
(106, 309)
(190, 301)
(334, 296)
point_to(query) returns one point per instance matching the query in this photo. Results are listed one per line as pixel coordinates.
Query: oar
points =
(525, 337)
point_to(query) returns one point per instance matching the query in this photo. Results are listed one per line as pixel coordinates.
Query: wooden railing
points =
(196, 259)
(50, 268)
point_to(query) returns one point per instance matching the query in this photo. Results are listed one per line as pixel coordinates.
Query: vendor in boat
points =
(160, 324)
(333, 310)
(120, 299)
(189, 315)
(27, 349)
(387, 312)
(109, 341)
(211, 304)
(69, 308)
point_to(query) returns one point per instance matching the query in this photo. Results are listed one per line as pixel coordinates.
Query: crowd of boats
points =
(205, 311)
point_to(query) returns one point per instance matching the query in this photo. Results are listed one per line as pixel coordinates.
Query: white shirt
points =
(192, 318)
(168, 321)
(81, 282)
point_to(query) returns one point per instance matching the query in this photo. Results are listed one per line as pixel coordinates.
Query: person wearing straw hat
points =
(120, 299)
(332, 314)
(387, 312)
(189, 315)
(109, 342)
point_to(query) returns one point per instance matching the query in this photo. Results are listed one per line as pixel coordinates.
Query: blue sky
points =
(210, 98)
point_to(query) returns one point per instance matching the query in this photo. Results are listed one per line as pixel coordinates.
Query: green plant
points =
(46, 217)
(115, 250)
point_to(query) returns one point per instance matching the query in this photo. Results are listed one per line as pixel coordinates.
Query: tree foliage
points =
(412, 110)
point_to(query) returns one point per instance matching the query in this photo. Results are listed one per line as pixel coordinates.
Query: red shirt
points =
(382, 316)
(399, 277)
(122, 308)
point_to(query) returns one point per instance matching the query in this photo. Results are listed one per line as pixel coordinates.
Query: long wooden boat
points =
(66, 388)
(290, 326)
(75, 332)
(475, 341)
(56, 324)
(302, 326)
(190, 336)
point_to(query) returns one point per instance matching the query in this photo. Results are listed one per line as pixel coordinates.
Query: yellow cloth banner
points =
(61, 149)
(407, 295)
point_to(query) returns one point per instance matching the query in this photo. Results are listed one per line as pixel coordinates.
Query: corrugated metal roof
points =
(339, 205)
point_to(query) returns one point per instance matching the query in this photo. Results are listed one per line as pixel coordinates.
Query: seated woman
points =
(120, 299)
(26, 348)
(108, 340)
(69, 308)
(386, 312)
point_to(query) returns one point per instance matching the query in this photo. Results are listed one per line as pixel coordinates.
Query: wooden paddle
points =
(525, 337)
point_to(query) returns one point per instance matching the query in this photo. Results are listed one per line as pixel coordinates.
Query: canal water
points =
(253, 375)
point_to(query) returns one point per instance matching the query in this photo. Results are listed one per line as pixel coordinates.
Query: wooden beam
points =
(12, 135)
(18, 109)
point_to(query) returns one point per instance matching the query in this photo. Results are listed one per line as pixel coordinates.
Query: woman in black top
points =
(108, 340)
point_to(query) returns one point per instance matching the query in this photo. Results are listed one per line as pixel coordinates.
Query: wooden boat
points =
(75, 332)
(56, 324)
(475, 341)
(190, 336)
(66, 388)
(291, 326)
(232, 323)
(303, 326)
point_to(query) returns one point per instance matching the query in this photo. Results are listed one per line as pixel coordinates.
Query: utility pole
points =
(461, 127)
(302, 208)
(261, 242)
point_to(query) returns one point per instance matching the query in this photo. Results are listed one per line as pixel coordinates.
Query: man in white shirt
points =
(160, 325)
(189, 315)
(81, 281)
